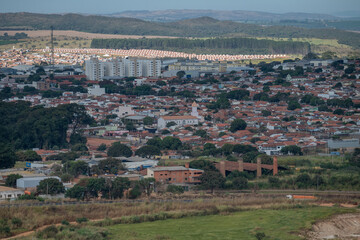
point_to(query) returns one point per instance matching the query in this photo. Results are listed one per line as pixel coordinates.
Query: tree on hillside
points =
(237, 124)
(148, 185)
(76, 168)
(292, 149)
(118, 149)
(50, 186)
(171, 143)
(28, 156)
(11, 180)
(7, 156)
(202, 164)
(102, 147)
(148, 150)
(77, 192)
(355, 158)
(212, 180)
(95, 186)
(115, 188)
(148, 121)
(110, 165)
(180, 74)
(292, 105)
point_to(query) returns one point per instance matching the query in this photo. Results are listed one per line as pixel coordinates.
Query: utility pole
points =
(52, 47)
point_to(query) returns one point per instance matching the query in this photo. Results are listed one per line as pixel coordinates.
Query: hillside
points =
(236, 15)
(199, 27)
(208, 46)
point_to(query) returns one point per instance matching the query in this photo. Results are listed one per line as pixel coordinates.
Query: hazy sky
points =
(111, 6)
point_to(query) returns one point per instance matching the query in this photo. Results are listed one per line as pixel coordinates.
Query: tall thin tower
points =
(52, 46)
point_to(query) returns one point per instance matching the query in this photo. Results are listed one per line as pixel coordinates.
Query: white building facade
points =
(179, 120)
(122, 67)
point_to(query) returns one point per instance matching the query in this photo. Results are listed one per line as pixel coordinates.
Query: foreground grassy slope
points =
(276, 224)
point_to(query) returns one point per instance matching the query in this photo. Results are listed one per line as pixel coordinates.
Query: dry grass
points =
(35, 217)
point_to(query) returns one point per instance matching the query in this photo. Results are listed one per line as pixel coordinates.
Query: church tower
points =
(194, 111)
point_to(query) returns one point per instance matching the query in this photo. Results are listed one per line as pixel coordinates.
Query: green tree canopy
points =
(148, 150)
(292, 149)
(11, 180)
(237, 124)
(118, 149)
(7, 156)
(28, 156)
(148, 120)
(50, 186)
(110, 165)
(212, 180)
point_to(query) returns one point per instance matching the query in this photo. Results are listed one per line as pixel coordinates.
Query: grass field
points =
(276, 224)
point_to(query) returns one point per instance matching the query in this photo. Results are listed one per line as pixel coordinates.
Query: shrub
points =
(16, 222)
(81, 220)
(175, 189)
(49, 232)
(260, 235)
(135, 192)
(65, 222)
(4, 228)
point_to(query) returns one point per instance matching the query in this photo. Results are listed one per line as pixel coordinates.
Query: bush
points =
(175, 189)
(4, 228)
(274, 182)
(65, 222)
(16, 222)
(49, 232)
(260, 235)
(27, 197)
(135, 192)
(81, 220)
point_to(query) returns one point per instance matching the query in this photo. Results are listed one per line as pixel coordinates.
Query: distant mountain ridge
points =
(198, 27)
(235, 15)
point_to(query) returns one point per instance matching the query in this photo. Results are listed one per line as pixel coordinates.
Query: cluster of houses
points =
(177, 115)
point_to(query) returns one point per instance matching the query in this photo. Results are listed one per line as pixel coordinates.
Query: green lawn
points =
(276, 224)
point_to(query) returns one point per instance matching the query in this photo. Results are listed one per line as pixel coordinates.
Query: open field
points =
(275, 224)
(46, 33)
(65, 39)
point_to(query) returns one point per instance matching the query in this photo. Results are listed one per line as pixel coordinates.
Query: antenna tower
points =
(52, 46)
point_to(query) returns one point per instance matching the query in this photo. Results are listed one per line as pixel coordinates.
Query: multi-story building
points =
(175, 174)
(122, 67)
(94, 69)
(96, 90)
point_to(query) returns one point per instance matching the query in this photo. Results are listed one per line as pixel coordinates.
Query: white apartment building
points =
(96, 90)
(94, 69)
(122, 67)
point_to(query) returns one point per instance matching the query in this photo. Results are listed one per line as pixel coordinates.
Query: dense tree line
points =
(26, 127)
(213, 45)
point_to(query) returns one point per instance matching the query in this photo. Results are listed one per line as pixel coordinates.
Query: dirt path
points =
(345, 226)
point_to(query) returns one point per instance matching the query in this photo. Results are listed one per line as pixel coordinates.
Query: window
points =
(185, 179)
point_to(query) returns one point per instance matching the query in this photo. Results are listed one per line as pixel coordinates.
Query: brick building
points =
(175, 174)
(226, 167)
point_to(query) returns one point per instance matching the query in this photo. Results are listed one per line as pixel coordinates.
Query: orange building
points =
(175, 174)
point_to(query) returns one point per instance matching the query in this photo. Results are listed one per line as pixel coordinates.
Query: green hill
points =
(198, 27)
(209, 46)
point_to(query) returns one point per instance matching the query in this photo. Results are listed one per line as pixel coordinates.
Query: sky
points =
(113, 6)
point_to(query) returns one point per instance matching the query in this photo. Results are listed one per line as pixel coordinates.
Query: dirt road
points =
(345, 226)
